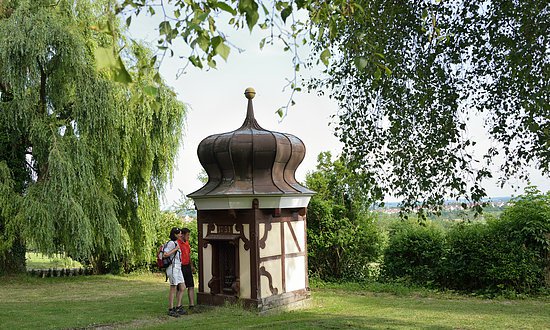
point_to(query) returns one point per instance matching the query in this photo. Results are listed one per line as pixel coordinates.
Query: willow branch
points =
(42, 89)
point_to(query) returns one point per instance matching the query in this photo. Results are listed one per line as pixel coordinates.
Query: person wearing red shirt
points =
(187, 266)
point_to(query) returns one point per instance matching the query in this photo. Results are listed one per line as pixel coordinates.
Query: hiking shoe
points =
(180, 310)
(173, 312)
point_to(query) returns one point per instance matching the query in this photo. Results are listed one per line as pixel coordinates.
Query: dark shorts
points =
(187, 276)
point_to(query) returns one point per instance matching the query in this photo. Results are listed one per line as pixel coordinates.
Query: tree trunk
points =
(13, 260)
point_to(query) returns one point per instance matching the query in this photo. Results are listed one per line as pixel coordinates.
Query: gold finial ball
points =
(250, 93)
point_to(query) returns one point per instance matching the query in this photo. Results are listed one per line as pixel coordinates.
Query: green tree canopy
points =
(83, 157)
(448, 64)
(409, 77)
(342, 237)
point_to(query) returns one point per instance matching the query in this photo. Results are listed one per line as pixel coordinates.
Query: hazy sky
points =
(216, 104)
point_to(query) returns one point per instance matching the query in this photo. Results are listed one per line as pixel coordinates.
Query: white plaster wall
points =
(273, 242)
(299, 229)
(206, 261)
(295, 269)
(244, 267)
(274, 268)
(207, 266)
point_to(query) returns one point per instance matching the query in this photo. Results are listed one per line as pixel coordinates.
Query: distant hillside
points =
(490, 200)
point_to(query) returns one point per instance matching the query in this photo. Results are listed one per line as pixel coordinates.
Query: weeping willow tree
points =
(88, 135)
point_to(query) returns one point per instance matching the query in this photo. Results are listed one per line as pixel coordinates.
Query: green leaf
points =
(153, 61)
(211, 24)
(151, 90)
(280, 112)
(377, 74)
(203, 43)
(244, 5)
(361, 63)
(212, 63)
(262, 43)
(200, 15)
(286, 12)
(225, 7)
(220, 48)
(165, 28)
(358, 6)
(105, 58)
(252, 18)
(250, 9)
(157, 78)
(216, 41)
(325, 55)
(195, 61)
(121, 74)
(300, 3)
(424, 13)
(321, 32)
(223, 50)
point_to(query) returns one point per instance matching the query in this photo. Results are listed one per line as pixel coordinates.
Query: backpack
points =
(163, 263)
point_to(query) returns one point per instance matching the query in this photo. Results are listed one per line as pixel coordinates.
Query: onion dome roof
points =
(251, 160)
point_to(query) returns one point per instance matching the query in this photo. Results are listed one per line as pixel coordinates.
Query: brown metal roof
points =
(251, 160)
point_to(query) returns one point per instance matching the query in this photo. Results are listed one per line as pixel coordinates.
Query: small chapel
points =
(251, 218)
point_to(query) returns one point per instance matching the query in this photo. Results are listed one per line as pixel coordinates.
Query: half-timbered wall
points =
(283, 258)
(272, 252)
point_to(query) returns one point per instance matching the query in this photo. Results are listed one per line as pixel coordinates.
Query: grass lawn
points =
(139, 301)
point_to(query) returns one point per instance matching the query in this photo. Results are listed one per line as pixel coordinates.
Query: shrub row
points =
(508, 253)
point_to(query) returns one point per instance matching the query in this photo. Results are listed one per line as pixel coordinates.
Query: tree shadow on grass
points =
(320, 321)
(296, 321)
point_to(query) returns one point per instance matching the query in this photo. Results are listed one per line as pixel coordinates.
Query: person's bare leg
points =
(191, 295)
(180, 294)
(171, 296)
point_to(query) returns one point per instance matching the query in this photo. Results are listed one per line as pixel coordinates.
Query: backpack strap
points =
(174, 255)
(170, 258)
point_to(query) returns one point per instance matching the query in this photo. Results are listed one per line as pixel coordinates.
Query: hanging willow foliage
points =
(83, 156)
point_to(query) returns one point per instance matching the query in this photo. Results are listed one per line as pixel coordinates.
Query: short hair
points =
(174, 232)
(185, 231)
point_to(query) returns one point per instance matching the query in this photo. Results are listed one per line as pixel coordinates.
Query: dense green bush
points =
(527, 221)
(483, 257)
(342, 236)
(339, 247)
(466, 258)
(414, 253)
(509, 253)
(522, 234)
